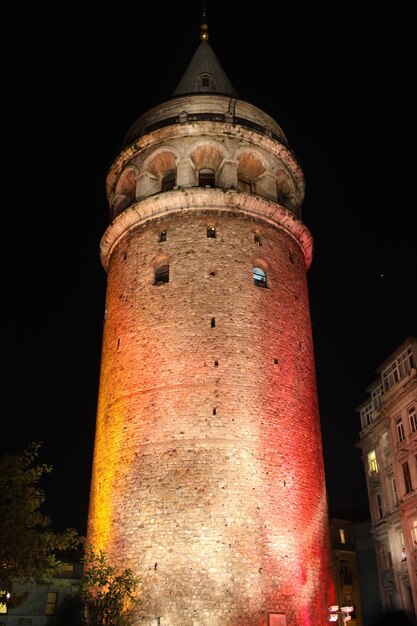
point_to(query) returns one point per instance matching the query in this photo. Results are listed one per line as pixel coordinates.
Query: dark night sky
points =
(339, 79)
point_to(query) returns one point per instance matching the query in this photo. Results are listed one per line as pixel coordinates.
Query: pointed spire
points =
(204, 74)
(204, 35)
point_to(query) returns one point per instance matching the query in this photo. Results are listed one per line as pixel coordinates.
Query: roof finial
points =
(204, 26)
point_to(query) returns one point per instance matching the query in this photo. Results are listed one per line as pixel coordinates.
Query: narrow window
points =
(50, 604)
(407, 477)
(412, 416)
(372, 463)
(379, 507)
(3, 608)
(342, 535)
(276, 361)
(257, 239)
(345, 572)
(213, 322)
(214, 411)
(414, 532)
(205, 80)
(168, 181)
(216, 364)
(206, 178)
(163, 235)
(400, 429)
(259, 277)
(394, 491)
(162, 274)
(211, 232)
(245, 183)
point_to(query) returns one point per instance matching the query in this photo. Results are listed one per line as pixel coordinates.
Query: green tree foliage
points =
(28, 547)
(108, 596)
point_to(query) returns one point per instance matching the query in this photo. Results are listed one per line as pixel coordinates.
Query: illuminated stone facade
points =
(388, 441)
(208, 477)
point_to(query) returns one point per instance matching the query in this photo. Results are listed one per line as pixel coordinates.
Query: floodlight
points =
(333, 608)
(333, 617)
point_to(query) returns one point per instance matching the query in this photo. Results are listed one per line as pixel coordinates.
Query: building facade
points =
(208, 475)
(55, 602)
(345, 568)
(388, 441)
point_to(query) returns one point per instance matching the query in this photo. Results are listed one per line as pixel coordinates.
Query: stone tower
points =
(208, 477)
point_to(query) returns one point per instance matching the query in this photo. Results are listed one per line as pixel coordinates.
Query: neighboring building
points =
(345, 570)
(208, 474)
(45, 605)
(372, 610)
(388, 441)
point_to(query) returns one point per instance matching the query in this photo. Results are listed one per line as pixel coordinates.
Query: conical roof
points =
(204, 74)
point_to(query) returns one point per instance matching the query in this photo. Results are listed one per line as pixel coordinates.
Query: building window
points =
(345, 574)
(244, 183)
(162, 274)
(50, 604)
(163, 235)
(205, 80)
(372, 463)
(398, 368)
(414, 533)
(379, 507)
(211, 232)
(342, 535)
(394, 491)
(259, 277)
(400, 429)
(407, 478)
(3, 609)
(366, 415)
(412, 416)
(377, 395)
(257, 239)
(206, 178)
(168, 181)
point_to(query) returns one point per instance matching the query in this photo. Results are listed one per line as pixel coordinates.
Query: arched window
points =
(168, 181)
(206, 178)
(163, 235)
(244, 183)
(162, 274)
(211, 232)
(259, 277)
(257, 239)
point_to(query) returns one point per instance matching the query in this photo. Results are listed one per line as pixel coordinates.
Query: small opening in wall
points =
(211, 232)
(118, 342)
(163, 235)
(216, 363)
(257, 239)
(291, 255)
(214, 411)
(276, 362)
(124, 255)
(212, 273)
(213, 322)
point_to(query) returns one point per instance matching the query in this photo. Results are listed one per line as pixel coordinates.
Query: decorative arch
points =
(286, 191)
(207, 156)
(160, 170)
(249, 167)
(125, 192)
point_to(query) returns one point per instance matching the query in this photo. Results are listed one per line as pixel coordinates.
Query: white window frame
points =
(399, 426)
(412, 417)
(398, 368)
